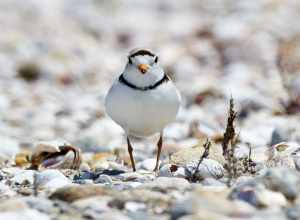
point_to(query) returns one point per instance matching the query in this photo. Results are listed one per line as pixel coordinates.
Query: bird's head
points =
(143, 60)
(143, 68)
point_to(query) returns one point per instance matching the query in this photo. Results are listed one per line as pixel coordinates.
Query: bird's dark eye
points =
(129, 60)
(156, 59)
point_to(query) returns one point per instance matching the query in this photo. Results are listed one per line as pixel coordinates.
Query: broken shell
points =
(283, 154)
(55, 155)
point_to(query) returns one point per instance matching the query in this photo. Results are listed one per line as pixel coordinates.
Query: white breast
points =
(142, 113)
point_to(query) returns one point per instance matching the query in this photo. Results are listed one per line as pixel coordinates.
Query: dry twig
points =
(229, 144)
(203, 156)
(229, 134)
(235, 167)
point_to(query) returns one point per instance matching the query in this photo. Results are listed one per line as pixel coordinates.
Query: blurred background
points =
(59, 58)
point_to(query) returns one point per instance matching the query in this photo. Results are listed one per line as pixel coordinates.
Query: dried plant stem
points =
(229, 134)
(229, 144)
(205, 154)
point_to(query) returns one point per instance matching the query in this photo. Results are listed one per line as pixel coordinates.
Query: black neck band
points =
(144, 88)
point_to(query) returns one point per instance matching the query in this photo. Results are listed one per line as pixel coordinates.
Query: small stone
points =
(212, 182)
(38, 203)
(210, 203)
(269, 198)
(76, 192)
(139, 176)
(84, 167)
(12, 205)
(147, 164)
(51, 179)
(207, 169)
(27, 214)
(258, 196)
(145, 215)
(113, 215)
(293, 213)
(92, 207)
(134, 184)
(283, 180)
(169, 183)
(134, 206)
(104, 179)
(112, 172)
(192, 154)
(25, 177)
(29, 71)
(165, 171)
(84, 175)
(279, 135)
(170, 170)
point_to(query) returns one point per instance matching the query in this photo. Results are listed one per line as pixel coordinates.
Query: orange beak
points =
(143, 68)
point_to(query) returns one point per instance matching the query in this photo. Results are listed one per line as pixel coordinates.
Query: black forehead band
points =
(142, 53)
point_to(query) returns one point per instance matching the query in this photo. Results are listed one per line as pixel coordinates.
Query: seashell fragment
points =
(283, 154)
(55, 155)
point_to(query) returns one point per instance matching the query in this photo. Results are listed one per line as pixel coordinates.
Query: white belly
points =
(142, 113)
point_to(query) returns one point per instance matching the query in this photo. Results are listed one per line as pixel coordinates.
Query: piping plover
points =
(143, 100)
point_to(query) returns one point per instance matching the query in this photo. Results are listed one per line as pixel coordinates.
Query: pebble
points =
(93, 206)
(134, 206)
(279, 135)
(283, 180)
(258, 196)
(12, 205)
(193, 154)
(40, 204)
(293, 212)
(211, 204)
(73, 192)
(147, 164)
(24, 177)
(212, 182)
(207, 169)
(28, 214)
(85, 175)
(104, 179)
(169, 170)
(113, 215)
(51, 179)
(140, 176)
(168, 183)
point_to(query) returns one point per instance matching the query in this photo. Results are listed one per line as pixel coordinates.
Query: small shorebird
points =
(143, 100)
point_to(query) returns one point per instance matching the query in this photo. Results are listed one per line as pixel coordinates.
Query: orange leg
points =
(130, 154)
(159, 146)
